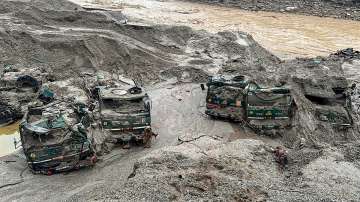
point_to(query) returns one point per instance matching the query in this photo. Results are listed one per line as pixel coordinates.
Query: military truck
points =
(268, 108)
(125, 112)
(225, 96)
(236, 98)
(54, 137)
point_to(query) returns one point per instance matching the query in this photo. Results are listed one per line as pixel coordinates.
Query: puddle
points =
(7, 135)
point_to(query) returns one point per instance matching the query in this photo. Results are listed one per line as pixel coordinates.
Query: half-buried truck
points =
(236, 98)
(55, 139)
(125, 113)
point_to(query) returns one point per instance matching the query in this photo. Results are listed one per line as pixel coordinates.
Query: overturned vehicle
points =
(236, 98)
(54, 137)
(124, 112)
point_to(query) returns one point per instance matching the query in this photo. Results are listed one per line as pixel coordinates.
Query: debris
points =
(348, 53)
(148, 134)
(281, 157)
(291, 8)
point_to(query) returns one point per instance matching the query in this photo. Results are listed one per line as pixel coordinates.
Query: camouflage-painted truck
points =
(54, 138)
(124, 112)
(268, 108)
(236, 98)
(226, 96)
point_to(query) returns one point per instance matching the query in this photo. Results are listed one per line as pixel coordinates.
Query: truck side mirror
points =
(148, 105)
(202, 86)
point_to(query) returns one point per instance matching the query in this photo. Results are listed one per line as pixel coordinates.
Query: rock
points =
(291, 8)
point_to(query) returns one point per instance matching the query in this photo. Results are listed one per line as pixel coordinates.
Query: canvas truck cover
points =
(225, 96)
(268, 108)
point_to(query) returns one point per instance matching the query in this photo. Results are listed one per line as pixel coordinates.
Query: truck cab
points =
(225, 96)
(268, 108)
(125, 112)
(237, 98)
(54, 141)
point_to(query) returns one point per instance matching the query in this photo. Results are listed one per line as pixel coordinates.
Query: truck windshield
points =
(223, 93)
(123, 105)
(264, 99)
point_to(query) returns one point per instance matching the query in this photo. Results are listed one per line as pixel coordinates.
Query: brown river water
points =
(286, 35)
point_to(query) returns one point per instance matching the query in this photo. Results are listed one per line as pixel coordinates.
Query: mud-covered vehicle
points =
(54, 137)
(124, 112)
(268, 108)
(236, 98)
(225, 96)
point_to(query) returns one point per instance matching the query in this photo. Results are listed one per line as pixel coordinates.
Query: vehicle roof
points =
(121, 93)
(228, 79)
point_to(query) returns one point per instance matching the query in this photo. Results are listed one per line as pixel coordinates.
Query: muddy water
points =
(7, 135)
(286, 35)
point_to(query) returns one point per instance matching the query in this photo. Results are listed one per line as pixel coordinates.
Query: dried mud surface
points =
(194, 157)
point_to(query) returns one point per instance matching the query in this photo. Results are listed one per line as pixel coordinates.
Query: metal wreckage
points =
(54, 137)
(57, 131)
(270, 110)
